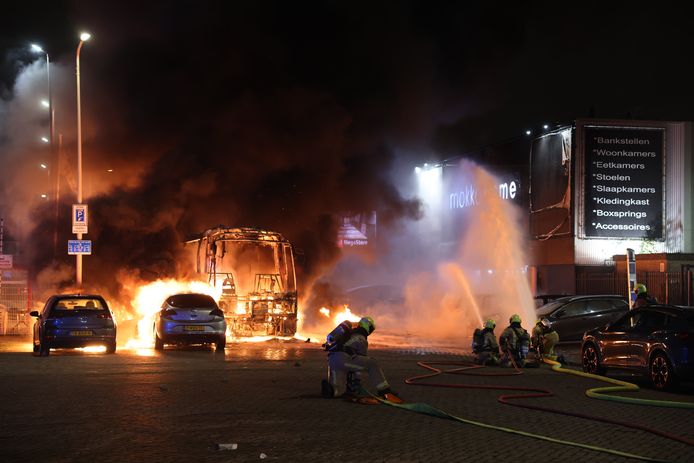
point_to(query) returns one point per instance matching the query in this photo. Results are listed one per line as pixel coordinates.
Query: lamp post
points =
(83, 38)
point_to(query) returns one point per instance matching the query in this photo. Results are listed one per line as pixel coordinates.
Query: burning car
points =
(255, 269)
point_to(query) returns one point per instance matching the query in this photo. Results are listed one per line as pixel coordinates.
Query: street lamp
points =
(47, 104)
(83, 38)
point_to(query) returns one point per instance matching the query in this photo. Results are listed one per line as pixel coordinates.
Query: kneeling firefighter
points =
(514, 342)
(484, 345)
(543, 339)
(347, 348)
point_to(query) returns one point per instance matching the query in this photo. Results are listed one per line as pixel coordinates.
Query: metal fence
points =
(667, 287)
(14, 304)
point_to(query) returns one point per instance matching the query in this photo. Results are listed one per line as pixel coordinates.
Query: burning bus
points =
(255, 270)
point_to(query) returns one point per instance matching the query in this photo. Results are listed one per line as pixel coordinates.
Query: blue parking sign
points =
(80, 218)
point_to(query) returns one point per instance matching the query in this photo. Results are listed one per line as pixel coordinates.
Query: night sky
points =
(279, 114)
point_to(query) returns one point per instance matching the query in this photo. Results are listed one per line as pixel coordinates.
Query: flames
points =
(339, 317)
(147, 302)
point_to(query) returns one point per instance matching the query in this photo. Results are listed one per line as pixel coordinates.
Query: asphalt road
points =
(175, 406)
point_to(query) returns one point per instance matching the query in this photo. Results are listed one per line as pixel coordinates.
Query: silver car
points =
(190, 318)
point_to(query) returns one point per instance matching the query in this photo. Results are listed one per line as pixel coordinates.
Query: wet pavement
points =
(177, 405)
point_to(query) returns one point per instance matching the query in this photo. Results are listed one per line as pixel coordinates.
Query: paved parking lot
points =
(142, 406)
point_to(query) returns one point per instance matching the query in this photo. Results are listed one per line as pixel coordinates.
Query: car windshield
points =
(78, 304)
(191, 300)
(549, 308)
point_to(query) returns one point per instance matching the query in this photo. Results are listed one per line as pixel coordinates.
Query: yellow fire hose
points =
(620, 386)
(597, 393)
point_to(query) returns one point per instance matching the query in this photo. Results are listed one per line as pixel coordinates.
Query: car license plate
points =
(80, 333)
(194, 328)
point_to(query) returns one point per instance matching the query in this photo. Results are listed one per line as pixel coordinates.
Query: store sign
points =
(623, 182)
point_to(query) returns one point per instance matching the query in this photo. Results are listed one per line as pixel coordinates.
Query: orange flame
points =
(147, 302)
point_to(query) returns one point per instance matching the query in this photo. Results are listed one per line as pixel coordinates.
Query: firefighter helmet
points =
(368, 324)
(640, 289)
(491, 324)
(515, 318)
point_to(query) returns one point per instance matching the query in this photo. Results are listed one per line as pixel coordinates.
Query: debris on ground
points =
(226, 446)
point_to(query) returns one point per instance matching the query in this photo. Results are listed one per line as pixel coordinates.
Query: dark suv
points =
(656, 340)
(571, 316)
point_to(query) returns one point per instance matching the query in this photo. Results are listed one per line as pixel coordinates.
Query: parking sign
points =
(80, 216)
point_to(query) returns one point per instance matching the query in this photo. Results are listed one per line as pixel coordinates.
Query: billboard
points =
(356, 229)
(623, 182)
(550, 185)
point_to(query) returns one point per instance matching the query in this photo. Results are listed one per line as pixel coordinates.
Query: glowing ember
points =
(148, 300)
(325, 311)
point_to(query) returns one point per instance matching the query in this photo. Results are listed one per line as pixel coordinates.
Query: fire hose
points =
(464, 368)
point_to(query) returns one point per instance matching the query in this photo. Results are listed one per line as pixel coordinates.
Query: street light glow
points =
(84, 36)
(44, 196)
(545, 126)
(109, 170)
(44, 139)
(45, 103)
(527, 132)
(36, 48)
(43, 166)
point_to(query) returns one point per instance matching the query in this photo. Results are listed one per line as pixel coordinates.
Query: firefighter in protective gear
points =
(642, 296)
(347, 347)
(514, 342)
(543, 339)
(485, 347)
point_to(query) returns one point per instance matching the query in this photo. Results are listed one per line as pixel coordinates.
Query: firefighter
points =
(543, 339)
(484, 345)
(347, 348)
(642, 297)
(514, 342)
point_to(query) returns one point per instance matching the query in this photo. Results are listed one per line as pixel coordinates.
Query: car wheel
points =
(158, 342)
(111, 348)
(220, 345)
(44, 350)
(37, 349)
(591, 361)
(660, 372)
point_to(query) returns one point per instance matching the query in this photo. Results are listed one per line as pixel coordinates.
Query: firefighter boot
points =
(326, 390)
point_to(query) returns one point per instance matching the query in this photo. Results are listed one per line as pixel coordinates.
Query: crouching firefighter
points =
(543, 340)
(484, 345)
(514, 342)
(347, 348)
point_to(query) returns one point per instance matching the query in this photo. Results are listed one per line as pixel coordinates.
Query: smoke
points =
(422, 294)
(200, 116)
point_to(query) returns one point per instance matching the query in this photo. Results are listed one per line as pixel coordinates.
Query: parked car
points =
(189, 318)
(74, 320)
(571, 316)
(655, 340)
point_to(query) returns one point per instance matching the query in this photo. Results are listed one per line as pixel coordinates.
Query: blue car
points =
(655, 340)
(74, 320)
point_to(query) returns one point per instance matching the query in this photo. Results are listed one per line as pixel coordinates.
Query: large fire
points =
(148, 300)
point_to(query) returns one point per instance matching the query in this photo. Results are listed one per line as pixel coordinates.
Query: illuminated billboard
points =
(623, 182)
(355, 230)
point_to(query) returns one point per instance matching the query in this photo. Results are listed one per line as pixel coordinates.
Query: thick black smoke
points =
(232, 115)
